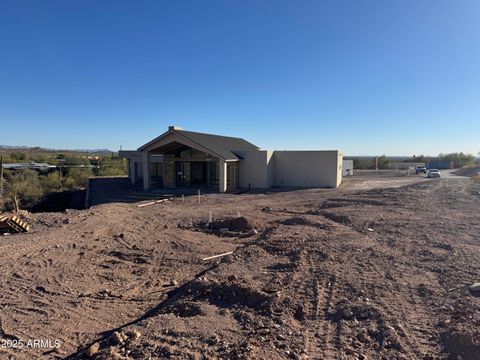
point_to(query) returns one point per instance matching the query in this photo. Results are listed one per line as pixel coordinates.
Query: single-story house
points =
(404, 165)
(29, 165)
(180, 158)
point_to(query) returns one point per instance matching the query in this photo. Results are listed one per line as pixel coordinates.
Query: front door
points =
(182, 173)
(199, 173)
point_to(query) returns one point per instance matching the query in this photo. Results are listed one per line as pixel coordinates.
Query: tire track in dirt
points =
(311, 293)
(316, 293)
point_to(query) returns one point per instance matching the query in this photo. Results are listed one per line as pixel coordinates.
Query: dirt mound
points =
(341, 202)
(184, 309)
(346, 311)
(468, 171)
(302, 221)
(226, 294)
(461, 345)
(228, 227)
(116, 346)
(237, 224)
(339, 218)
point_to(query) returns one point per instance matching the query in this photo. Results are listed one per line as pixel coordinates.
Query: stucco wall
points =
(255, 169)
(136, 157)
(339, 168)
(307, 168)
(270, 169)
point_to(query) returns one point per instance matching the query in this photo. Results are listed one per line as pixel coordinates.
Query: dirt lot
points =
(367, 271)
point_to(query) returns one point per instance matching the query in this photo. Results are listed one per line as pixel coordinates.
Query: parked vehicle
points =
(420, 169)
(434, 173)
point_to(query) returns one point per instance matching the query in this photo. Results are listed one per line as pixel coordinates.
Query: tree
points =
(459, 159)
(419, 158)
(382, 162)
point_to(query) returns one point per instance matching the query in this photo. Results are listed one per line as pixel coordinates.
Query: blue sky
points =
(369, 77)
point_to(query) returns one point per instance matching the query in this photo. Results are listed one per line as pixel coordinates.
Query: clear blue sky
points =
(369, 77)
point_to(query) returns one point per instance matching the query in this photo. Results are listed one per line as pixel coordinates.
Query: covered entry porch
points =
(189, 165)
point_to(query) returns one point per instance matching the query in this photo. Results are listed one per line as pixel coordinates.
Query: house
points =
(180, 158)
(404, 165)
(29, 165)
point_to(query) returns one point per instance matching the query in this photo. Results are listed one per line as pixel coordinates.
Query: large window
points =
(155, 170)
(185, 152)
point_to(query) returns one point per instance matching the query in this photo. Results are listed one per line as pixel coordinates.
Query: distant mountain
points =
(94, 151)
(8, 147)
(40, 149)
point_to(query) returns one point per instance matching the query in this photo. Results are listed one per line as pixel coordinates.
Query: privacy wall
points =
(307, 168)
(263, 169)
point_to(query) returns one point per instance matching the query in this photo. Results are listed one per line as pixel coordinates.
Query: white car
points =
(434, 173)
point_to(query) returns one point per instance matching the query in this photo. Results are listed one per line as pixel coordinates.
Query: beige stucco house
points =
(180, 158)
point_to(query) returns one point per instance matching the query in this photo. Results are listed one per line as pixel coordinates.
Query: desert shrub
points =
(22, 189)
(51, 182)
(41, 158)
(368, 163)
(75, 161)
(458, 159)
(112, 167)
(18, 156)
(77, 177)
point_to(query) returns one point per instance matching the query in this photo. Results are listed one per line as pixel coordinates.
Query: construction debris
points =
(217, 256)
(475, 287)
(154, 202)
(13, 224)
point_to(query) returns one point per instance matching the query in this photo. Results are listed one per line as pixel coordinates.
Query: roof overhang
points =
(170, 139)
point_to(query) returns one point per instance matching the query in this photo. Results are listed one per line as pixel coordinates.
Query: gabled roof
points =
(222, 146)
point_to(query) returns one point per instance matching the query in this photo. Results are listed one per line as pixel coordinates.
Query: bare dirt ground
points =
(360, 272)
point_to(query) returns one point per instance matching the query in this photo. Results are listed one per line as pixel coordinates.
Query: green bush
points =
(458, 159)
(51, 182)
(22, 189)
(77, 177)
(112, 167)
(18, 156)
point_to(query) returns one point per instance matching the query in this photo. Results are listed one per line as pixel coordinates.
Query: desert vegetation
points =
(23, 189)
(457, 160)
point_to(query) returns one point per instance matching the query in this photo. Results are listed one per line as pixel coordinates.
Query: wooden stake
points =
(153, 202)
(217, 256)
(15, 202)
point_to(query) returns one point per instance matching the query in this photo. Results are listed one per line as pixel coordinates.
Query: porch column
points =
(222, 168)
(163, 171)
(146, 169)
(133, 173)
(209, 165)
